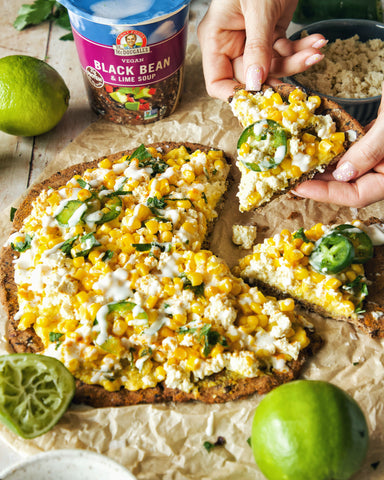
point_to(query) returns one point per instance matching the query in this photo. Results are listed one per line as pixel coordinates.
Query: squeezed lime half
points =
(35, 391)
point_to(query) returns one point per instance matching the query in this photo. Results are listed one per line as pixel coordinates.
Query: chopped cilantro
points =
(155, 204)
(82, 183)
(146, 351)
(55, 336)
(300, 234)
(66, 247)
(146, 247)
(107, 256)
(211, 338)
(249, 441)
(12, 213)
(197, 289)
(89, 241)
(359, 289)
(22, 246)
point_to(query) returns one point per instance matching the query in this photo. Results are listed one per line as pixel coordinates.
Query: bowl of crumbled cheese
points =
(352, 71)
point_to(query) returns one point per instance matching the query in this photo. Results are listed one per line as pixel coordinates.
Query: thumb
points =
(365, 154)
(259, 27)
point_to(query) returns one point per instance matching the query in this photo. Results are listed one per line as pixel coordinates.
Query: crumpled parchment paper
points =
(166, 441)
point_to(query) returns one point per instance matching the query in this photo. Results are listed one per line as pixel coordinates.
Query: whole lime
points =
(309, 429)
(33, 96)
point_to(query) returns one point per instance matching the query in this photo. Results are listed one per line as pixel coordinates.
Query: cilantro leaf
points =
(22, 246)
(211, 338)
(89, 241)
(300, 234)
(197, 289)
(67, 245)
(12, 213)
(34, 14)
(55, 336)
(43, 10)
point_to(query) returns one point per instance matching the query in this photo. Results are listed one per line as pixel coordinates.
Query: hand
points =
(243, 41)
(358, 179)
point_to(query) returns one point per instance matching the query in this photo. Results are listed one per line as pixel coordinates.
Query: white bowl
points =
(67, 465)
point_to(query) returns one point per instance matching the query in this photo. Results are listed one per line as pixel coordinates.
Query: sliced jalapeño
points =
(332, 253)
(360, 240)
(267, 141)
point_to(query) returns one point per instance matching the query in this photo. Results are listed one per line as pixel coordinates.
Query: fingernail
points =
(345, 172)
(254, 78)
(313, 59)
(320, 43)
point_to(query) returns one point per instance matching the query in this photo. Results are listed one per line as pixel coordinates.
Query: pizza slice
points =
(335, 270)
(288, 137)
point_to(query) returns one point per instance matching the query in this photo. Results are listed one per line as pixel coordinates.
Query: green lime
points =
(309, 429)
(33, 96)
(35, 391)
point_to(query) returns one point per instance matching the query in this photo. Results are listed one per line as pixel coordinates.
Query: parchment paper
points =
(166, 441)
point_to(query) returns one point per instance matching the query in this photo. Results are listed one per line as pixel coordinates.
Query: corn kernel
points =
(244, 149)
(307, 248)
(119, 327)
(160, 373)
(165, 226)
(296, 95)
(142, 269)
(338, 137)
(166, 236)
(216, 350)
(315, 99)
(188, 175)
(357, 268)
(348, 307)
(189, 227)
(287, 305)
(333, 283)
(183, 204)
(84, 194)
(82, 297)
(26, 320)
(316, 277)
(78, 262)
(152, 225)
(105, 163)
(276, 97)
(325, 145)
(196, 278)
(301, 337)
(301, 273)
(351, 275)
(151, 301)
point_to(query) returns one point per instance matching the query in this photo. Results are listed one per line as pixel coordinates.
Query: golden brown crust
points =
(216, 389)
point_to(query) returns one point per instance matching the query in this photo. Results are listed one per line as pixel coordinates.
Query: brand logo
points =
(131, 42)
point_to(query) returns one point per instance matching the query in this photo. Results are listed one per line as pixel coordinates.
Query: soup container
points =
(132, 55)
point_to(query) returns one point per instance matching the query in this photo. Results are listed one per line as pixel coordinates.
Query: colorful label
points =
(131, 61)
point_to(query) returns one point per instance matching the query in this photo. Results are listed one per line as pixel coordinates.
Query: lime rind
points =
(35, 391)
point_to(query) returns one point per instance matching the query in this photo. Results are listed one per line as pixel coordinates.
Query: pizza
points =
(108, 270)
